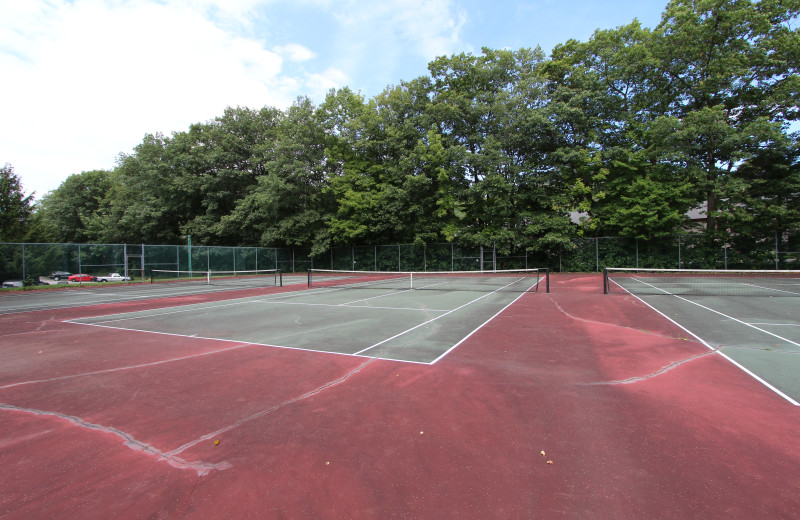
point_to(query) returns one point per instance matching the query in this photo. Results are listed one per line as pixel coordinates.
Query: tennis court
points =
(749, 317)
(365, 395)
(383, 315)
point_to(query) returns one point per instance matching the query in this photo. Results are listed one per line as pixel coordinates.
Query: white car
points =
(113, 277)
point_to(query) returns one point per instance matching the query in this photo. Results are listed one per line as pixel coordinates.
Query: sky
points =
(84, 81)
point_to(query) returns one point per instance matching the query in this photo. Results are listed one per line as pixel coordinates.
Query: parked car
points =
(58, 275)
(22, 283)
(81, 278)
(113, 277)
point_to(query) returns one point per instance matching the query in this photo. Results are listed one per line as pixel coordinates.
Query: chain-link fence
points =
(696, 251)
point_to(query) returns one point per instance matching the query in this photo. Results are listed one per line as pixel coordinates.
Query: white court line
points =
(182, 309)
(770, 288)
(465, 338)
(92, 299)
(131, 367)
(718, 351)
(777, 324)
(176, 310)
(374, 297)
(349, 306)
(188, 307)
(721, 313)
(249, 343)
(442, 316)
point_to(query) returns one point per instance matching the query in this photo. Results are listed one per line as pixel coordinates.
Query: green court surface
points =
(761, 334)
(402, 325)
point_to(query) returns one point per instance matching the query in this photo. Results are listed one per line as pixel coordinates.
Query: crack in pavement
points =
(274, 408)
(585, 320)
(675, 364)
(202, 468)
(171, 457)
(662, 370)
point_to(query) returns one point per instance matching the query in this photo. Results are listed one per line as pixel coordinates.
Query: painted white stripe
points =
(725, 315)
(131, 367)
(438, 317)
(703, 342)
(195, 336)
(465, 338)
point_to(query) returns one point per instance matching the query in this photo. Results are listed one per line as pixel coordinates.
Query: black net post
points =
(605, 280)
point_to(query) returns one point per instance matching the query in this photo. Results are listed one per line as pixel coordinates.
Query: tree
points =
(220, 163)
(616, 165)
(762, 195)
(726, 85)
(15, 207)
(287, 205)
(74, 211)
(147, 198)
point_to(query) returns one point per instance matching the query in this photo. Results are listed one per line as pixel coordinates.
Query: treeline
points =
(629, 131)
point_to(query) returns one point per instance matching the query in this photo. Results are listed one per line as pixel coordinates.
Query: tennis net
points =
(710, 282)
(259, 278)
(520, 280)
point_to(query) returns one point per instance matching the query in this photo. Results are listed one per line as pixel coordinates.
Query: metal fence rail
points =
(776, 251)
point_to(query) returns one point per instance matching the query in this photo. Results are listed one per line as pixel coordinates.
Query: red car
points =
(81, 278)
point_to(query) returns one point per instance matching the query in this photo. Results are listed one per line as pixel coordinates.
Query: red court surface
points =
(567, 405)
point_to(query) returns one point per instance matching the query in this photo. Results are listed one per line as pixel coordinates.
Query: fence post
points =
(777, 253)
(596, 254)
(679, 252)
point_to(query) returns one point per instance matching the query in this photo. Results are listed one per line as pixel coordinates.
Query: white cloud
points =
(84, 80)
(91, 77)
(321, 83)
(433, 26)
(295, 52)
(429, 28)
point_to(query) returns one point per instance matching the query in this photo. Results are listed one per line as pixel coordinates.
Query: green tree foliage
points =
(221, 162)
(762, 196)
(147, 200)
(726, 82)
(15, 207)
(286, 206)
(74, 211)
